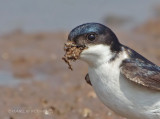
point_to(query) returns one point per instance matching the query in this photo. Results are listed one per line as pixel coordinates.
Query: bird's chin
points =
(83, 57)
(87, 57)
(96, 54)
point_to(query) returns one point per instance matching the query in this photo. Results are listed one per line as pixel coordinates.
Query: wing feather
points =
(141, 71)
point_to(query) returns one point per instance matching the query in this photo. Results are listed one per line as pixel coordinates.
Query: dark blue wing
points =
(141, 71)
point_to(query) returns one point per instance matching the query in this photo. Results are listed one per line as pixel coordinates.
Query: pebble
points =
(86, 112)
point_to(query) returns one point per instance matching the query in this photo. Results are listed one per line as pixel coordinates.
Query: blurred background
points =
(34, 81)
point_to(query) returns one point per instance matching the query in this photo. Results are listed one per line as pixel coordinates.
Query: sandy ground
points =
(35, 83)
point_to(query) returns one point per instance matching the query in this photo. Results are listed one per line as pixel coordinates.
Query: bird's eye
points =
(91, 37)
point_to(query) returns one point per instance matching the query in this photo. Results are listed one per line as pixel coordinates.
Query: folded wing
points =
(141, 72)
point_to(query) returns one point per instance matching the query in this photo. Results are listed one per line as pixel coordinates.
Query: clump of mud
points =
(72, 53)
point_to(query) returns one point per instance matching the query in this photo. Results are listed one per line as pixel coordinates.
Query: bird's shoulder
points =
(138, 69)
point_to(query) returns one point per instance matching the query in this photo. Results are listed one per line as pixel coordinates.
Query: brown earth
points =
(46, 88)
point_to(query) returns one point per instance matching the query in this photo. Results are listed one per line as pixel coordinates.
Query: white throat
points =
(96, 55)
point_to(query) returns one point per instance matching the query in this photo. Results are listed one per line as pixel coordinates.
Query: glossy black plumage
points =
(104, 35)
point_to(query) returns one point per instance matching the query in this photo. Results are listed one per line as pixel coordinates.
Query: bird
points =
(123, 80)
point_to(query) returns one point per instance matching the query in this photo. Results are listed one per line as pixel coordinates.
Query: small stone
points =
(92, 94)
(46, 112)
(86, 112)
(109, 113)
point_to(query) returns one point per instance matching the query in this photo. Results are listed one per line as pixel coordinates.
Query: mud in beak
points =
(72, 52)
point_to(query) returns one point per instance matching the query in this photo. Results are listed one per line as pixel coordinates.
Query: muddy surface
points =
(35, 82)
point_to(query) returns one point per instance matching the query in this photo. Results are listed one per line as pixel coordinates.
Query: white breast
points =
(123, 96)
(119, 94)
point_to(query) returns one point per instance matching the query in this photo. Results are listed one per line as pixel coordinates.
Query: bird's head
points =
(101, 44)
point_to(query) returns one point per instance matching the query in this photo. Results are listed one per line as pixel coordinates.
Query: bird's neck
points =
(98, 55)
